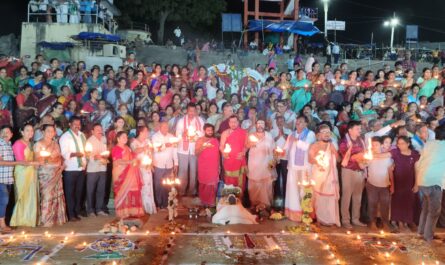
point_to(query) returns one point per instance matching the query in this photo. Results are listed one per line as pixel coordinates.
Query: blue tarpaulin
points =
(296, 27)
(98, 36)
(56, 45)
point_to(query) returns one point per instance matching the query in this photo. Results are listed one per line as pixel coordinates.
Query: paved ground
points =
(197, 241)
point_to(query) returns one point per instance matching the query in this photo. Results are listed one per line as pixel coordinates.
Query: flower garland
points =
(306, 207)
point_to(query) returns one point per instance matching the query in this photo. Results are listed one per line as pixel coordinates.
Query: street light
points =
(325, 6)
(393, 22)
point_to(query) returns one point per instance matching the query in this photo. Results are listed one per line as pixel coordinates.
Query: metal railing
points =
(308, 12)
(139, 26)
(70, 12)
(67, 12)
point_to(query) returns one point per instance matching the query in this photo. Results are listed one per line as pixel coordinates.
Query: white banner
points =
(335, 25)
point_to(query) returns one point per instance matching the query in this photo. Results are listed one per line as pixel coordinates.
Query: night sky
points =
(362, 17)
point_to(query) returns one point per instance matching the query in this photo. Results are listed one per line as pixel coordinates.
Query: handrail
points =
(308, 12)
(64, 7)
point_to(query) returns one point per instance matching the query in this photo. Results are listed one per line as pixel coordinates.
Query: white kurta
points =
(260, 174)
(296, 174)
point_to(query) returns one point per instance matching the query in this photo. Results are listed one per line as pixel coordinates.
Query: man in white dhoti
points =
(323, 156)
(296, 149)
(188, 129)
(261, 166)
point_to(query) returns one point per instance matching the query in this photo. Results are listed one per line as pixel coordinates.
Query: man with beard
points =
(261, 166)
(323, 156)
(207, 151)
(233, 148)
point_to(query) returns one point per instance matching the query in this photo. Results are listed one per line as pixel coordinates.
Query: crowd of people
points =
(370, 139)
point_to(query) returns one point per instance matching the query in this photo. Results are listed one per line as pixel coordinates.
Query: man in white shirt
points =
(72, 144)
(96, 172)
(188, 129)
(165, 162)
(280, 134)
(284, 111)
(377, 128)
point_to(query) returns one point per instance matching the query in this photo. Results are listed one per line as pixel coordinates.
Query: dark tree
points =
(194, 12)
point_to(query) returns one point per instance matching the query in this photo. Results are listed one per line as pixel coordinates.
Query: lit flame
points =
(368, 155)
(44, 153)
(227, 149)
(253, 139)
(88, 148)
(321, 159)
(279, 150)
(146, 160)
(173, 140)
(191, 131)
(105, 153)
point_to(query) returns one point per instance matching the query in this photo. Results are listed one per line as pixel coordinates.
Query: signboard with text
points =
(335, 25)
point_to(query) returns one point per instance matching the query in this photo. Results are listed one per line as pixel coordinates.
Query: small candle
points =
(173, 140)
(227, 149)
(45, 154)
(422, 106)
(177, 76)
(359, 237)
(382, 232)
(316, 236)
(387, 255)
(147, 232)
(84, 243)
(348, 232)
(279, 150)
(157, 145)
(306, 86)
(146, 160)
(153, 76)
(88, 148)
(177, 181)
(253, 139)
(105, 153)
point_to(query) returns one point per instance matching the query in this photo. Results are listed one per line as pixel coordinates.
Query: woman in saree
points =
(118, 126)
(52, 198)
(95, 80)
(58, 81)
(127, 182)
(58, 115)
(142, 146)
(22, 79)
(102, 116)
(46, 102)
(66, 96)
(26, 103)
(26, 187)
(164, 97)
(36, 83)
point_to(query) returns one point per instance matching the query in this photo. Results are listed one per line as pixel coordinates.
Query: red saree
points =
(127, 185)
